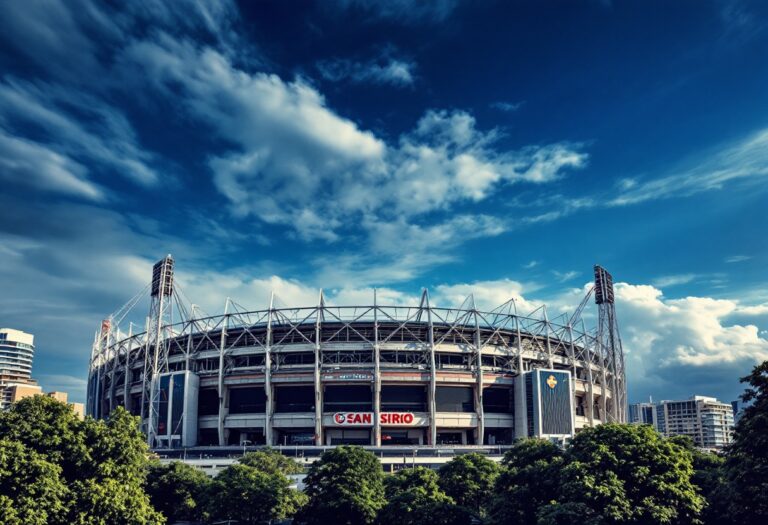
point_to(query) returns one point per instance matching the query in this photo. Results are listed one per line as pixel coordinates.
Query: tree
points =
(103, 464)
(50, 428)
(469, 480)
(271, 461)
(177, 490)
(414, 498)
(709, 478)
(111, 502)
(31, 490)
(528, 481)
(746, 465)
(345, 486)
(248, 495)
(625, 474)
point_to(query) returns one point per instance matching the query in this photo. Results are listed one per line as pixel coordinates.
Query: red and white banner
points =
(365, 419)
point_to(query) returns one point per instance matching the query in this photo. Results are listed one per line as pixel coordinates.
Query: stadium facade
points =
(372, 375)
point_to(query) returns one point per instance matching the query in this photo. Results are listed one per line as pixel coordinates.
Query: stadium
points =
(374, 375)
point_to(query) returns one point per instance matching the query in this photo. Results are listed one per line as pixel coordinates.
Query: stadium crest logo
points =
(339, 418)
(551, 381)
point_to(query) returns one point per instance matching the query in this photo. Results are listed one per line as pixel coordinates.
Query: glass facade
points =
(16, 353)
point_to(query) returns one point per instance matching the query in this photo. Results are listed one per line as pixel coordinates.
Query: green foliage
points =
(709, 478)
(625, 474)
(271, 461)
(102, 464)
(249, 495)
(345, 486)
(50, 428)
(111, 502)
(31, 491)
(177, 490)
(414, 497)
(747, 461)
(469, 480)
(529, 480)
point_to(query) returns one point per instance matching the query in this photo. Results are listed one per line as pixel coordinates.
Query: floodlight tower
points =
(611, 352)
(156, 350)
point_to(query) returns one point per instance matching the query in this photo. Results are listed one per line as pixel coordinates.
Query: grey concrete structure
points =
(369, 374)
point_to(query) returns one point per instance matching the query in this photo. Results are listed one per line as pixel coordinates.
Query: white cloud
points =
(745, 160)
(509, 107)
(75, 387)
(298, 164)
(755, 310)
(487, 295)
(402, 11)
(688, 331)
(33, 165)
(97, 133)
(564, 276)
(674, 280)
(737, 258)
(211, 289)
(383, 70)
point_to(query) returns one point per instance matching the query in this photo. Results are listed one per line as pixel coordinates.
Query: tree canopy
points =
(250, 496)
(178, 490)
(528, 481)
(271, 461)
(746, 467)
(102, 465)
(31, 489)
(625, 474)
(469, 480)
(414, 497)
(345, 486)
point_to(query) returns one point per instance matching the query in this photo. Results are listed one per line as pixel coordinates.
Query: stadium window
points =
(407, 398)
(299, 398)
(454, 399)
(250, 400)
(498, 400)
(348, 398)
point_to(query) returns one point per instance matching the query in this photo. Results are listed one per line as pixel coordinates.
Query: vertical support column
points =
(154, 393)
(317, 382)
(520, 364)
(143, 410)
(188, 353)
(268, 375)
(114, 361)
(616, 400)
(574, 375)
(603, 381)
(102, 365)
(376, 438)
(128, 372)
(521, 416)
(222, 392)
(91, 394)
(479, 396)
(590, 378)
(550, 362)
(432, 376)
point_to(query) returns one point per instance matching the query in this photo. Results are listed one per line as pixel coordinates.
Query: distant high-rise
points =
(707, 421)
(642, 413)
(17, 349)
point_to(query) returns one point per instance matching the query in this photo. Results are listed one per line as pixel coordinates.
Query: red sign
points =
(396, 418)
(366, 418)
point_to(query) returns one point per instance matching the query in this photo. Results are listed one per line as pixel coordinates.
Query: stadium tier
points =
(371, 375)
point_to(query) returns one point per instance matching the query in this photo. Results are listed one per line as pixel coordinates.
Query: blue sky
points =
(495, 148)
